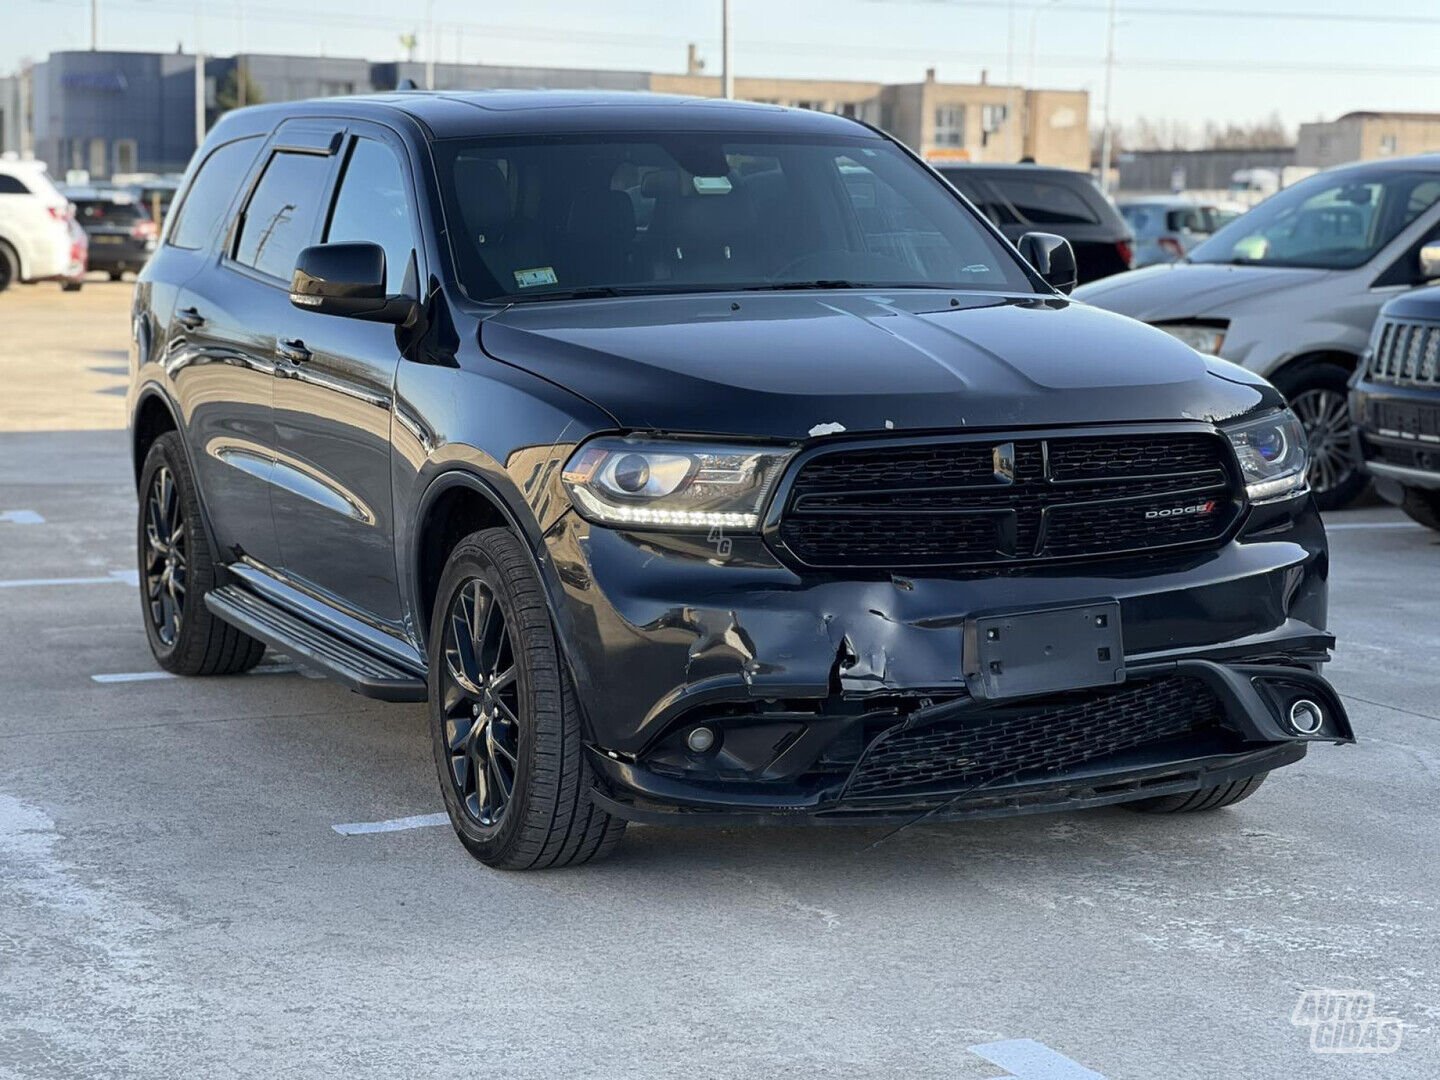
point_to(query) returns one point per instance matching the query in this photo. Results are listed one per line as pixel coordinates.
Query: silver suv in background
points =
(1167, 227)
(1291, 290)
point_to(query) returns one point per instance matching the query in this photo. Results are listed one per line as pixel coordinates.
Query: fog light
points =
(700, 739)
(1306, 717)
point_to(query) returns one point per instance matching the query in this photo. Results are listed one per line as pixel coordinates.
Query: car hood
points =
(791, 366)
(1190, 290)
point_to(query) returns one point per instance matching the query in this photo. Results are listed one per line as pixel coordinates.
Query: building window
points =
(850, 109)
(335, 88)
(125, 155)
(950, 125)
(1389, 144)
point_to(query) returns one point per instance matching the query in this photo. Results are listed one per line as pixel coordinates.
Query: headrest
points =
(484, 195)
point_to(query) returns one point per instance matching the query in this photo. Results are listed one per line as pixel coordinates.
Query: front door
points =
(334, 392)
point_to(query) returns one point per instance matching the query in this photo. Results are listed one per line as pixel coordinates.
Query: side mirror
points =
(1052, 257)
(348, 280)
(1429, 261)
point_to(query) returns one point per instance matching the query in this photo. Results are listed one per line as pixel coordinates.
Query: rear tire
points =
(9, 266)
(117, 275)
(176, 571)
(1422, 507)
(1319, 394)
(504, 719)
(1198, 802)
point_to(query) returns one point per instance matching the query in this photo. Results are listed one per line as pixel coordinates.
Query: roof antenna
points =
(406, 84)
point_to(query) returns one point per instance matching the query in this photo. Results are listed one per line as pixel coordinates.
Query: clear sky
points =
(1191, 60)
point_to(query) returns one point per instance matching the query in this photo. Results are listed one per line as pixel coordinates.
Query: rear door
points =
(231, 315)
(334, 391)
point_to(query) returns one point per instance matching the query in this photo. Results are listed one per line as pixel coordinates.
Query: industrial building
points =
(122, 112)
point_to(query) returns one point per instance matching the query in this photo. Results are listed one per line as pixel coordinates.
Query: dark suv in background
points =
(1395, 400)
(1022, 198)
(700, 461)
(119, 228)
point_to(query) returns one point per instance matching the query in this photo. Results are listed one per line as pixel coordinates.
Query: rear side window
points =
(210, 193)
(11, 185)
(374, 205)
(1044, 202)
(280, 218)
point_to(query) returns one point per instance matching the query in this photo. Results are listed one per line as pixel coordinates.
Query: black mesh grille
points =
(983, 502)
(987, 747)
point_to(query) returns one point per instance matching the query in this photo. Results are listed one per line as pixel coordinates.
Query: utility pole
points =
(430, 44)
(1107, 144)
(727, 71)
(94, 25)
(199, 83)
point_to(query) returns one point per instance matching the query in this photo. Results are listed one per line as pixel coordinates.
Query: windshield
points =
(615, 214)
(1325, 222)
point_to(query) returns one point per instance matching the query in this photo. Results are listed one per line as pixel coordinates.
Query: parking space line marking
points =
(115, 577)
(419, 821)
(21, 517)
(1373, 525)
(154, 676)
(1026, 1059)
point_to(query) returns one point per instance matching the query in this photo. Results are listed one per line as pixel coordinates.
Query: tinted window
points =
(211, 191)
(11, 185)
(654, 213)
(374, 205)
(1326, 221)
(1044, 202)
(279, 219)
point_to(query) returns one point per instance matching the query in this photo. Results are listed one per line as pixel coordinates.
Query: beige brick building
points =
(956, 121)
(1364, 136)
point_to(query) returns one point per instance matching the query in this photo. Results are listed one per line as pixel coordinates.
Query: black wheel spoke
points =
(480, 703)
(164, 563)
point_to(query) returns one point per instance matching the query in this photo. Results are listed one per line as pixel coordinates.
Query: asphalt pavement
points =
(176, 900)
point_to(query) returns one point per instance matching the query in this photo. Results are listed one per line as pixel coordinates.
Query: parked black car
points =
(120, 230)
(1022, 198)
(1395, 401)
(808, 501)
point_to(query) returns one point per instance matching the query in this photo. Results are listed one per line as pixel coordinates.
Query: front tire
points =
(1422, 507)
(1318, 394)
(176, 571)
(504, 719)
(1202, 801)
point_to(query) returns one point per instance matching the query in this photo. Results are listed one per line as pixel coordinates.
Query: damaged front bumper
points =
(832, 698)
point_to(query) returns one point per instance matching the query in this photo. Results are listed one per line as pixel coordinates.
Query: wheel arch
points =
(153, 417)
(15, 249)
(1293, 368)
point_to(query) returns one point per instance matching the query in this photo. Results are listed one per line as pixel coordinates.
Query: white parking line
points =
(1374, 525)
(1026, 1059)
(21, 517)
(115, 577)
(154, 676)
(420, 821)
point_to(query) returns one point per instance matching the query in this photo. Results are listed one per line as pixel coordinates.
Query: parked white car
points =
(35, 240)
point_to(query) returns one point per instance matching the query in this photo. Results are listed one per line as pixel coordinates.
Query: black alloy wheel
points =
(177, 570)
(481, 704)
(165, 558)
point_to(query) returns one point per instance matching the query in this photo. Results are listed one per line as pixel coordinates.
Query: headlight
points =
(1274, 455)
(1205, 339)
(642, 483)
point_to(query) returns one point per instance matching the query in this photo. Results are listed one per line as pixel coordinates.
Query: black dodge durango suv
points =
(706, 462)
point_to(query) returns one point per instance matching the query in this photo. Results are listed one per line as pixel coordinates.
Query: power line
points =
(1291, 14)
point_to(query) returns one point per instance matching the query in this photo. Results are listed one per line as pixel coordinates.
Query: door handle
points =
(292, 349)
(190, 318)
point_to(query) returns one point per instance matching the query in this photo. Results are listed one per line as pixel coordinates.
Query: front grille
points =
(1406, 354)
(990, 746)
(981, 502)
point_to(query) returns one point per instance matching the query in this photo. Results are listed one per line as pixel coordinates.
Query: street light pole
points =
(727, 73)
(1106, 139)
(94, 25)
(430, 44)
(199, 83)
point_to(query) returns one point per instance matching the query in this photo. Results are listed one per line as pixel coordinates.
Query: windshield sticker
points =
(712, 185)
(541, 275)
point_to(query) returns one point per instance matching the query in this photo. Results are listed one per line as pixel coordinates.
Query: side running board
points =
(363, 672)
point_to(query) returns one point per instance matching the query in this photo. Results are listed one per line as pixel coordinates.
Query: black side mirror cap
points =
(348, 280)
(1052, 257)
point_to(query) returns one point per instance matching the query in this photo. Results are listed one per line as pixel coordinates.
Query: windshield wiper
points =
(823, 283)
(591, 292)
